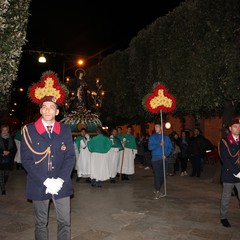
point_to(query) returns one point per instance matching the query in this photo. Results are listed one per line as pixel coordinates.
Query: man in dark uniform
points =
(48, 156)
(229, 153)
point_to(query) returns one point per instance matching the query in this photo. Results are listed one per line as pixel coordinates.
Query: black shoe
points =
(125, 177)
(225, 223)
(112, 181)
(3, 192)
(88, 180)
(78, 179)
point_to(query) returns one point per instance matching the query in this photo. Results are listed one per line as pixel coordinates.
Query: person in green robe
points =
(99, 147)
(126, 164)
(114, 155)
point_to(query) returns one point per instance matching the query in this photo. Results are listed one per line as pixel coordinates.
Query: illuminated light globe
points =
(167, 125)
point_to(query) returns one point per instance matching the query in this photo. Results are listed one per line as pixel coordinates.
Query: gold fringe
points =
(46, 153)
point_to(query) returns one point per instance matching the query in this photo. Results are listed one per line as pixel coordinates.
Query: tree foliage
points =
(194, 51)
(13, 25)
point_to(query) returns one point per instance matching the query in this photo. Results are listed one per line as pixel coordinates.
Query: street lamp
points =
(80, 62)
(42, 59)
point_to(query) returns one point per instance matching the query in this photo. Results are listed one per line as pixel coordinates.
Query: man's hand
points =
(5, 153)
(53, 185)
(237, 175)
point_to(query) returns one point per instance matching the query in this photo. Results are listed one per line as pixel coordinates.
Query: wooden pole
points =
(122, 161)
(164, 161)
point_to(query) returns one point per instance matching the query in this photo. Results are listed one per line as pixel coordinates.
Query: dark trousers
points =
(226, 197)
(158, 174)
(196, 165)
(184, 164)
(41, 211)
(3, 179)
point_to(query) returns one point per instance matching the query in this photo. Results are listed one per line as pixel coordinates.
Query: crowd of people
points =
(116, 162)
(186, 149)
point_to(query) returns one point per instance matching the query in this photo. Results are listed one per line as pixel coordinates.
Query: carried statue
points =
(79, 114)
(78, 87)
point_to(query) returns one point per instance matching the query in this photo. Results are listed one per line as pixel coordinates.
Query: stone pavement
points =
(126, 210)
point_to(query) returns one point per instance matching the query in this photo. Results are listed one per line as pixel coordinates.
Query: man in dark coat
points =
(196, 150)
(48, 156)
(7, 150)
(229, 149)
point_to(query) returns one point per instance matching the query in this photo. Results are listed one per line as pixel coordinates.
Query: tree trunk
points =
(228, 114)
(142, 126)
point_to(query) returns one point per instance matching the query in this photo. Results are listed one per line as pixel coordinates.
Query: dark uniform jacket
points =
(45, 158)
(229, 154)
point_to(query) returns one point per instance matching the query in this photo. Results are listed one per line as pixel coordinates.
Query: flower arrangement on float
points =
(82, 118)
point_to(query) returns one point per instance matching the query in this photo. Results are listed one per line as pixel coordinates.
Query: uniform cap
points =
(234, 121)
(48, 99)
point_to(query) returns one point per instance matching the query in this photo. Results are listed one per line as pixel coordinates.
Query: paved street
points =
(126, 210)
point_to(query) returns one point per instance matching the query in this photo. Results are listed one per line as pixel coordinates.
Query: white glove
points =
(53, 185)
(87, 136)
(116, 149)
(238, 175)
(47, 182)
(59, 182)
(51, 191)
(51, 188)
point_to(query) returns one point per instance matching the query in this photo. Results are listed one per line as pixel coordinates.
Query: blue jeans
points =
(157, 166)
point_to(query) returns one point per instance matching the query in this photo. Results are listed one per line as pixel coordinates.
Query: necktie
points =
(49, 128)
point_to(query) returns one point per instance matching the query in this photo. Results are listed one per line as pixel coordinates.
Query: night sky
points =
(84, 28)
(87, 27)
